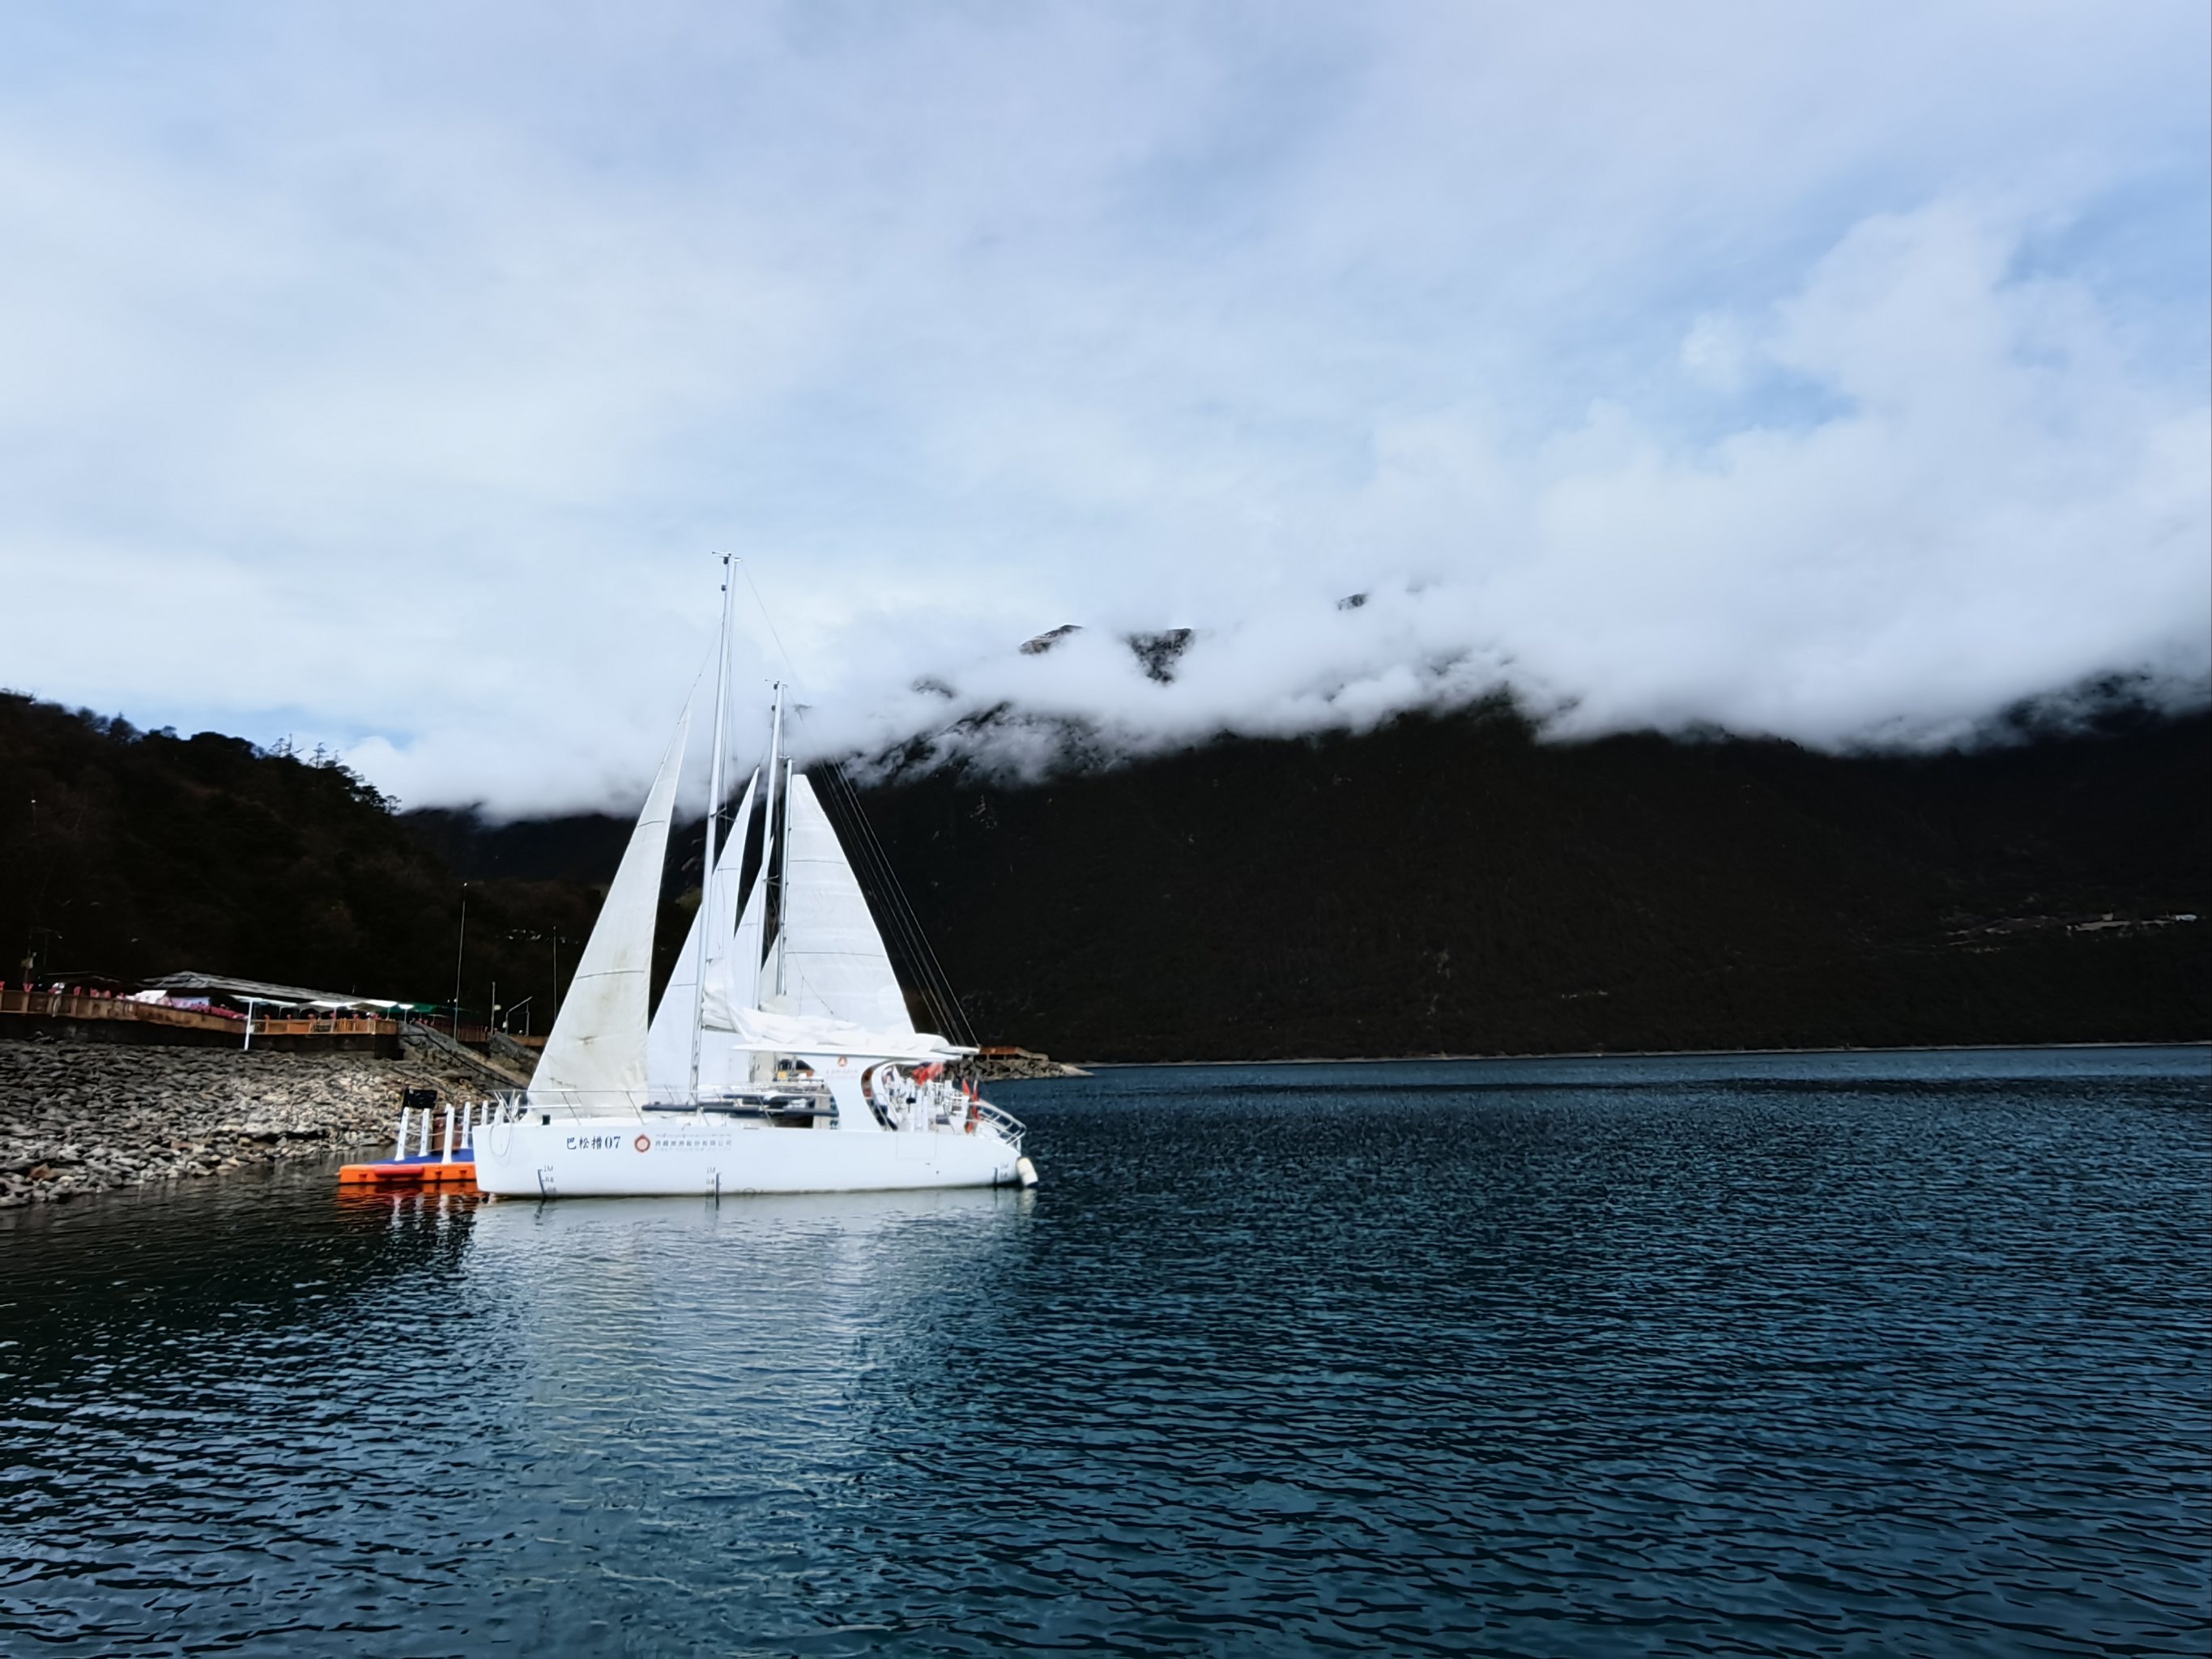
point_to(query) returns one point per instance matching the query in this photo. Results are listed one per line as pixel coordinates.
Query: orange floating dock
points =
(410, 1172)
(452, 1165)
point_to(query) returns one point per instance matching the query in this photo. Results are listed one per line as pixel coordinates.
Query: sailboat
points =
(782, 1057)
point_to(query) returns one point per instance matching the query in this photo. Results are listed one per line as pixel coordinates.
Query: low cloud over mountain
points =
(390, 386)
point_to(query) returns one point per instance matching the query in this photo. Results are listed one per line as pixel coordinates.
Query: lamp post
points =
(460, 945)
(33, 955)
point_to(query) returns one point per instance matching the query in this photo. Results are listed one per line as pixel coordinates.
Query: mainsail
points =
(596, 1054)
(668, 1043)
(737, 976)
(834, 964)
(826, 982)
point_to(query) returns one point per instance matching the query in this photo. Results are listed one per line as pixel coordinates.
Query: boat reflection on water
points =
(434, 1207)
(766, 1218)
(667, 1321)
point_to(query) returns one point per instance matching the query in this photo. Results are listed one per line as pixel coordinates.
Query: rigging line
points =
(942, 990)
(934, 977)
(772, 633)
(925, 959)
(938, 983)
(935, 989)
(905, 927)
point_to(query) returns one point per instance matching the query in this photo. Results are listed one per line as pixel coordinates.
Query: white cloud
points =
(388, 379)
(1715, 355)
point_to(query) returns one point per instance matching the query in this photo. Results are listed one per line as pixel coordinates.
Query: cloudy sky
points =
(386, 376)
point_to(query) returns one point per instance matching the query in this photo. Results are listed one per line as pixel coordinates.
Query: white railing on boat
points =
(1009, 1126)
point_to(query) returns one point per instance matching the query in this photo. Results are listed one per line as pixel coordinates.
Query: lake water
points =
(1865, 1354)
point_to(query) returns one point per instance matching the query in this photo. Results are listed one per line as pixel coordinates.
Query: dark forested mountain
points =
(1450, 884)
(583, 846)
(127, 854)
(1447, 884)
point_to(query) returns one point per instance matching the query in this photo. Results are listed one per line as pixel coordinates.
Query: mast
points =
(772, 835)
(707, 952)
(783, 879)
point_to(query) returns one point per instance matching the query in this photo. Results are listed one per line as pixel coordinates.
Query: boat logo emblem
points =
(841, 1060)
(643, 1143)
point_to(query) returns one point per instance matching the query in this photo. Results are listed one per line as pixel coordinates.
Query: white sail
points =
(815, 1034)
(820, 1085)
(738, 975)
(726, 1060)
(596, 1054)
(834, 962)
(728, 869)
(668, 1041)
(771, 970)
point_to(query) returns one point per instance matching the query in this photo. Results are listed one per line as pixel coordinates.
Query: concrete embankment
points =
(81, 1117)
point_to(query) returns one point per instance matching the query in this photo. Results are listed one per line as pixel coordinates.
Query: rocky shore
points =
(81, 1117)
(1002, 1068)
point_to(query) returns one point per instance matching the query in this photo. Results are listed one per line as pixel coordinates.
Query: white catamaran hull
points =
(660, 1154)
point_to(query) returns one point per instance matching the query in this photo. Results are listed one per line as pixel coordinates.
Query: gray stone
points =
(76, 1118)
